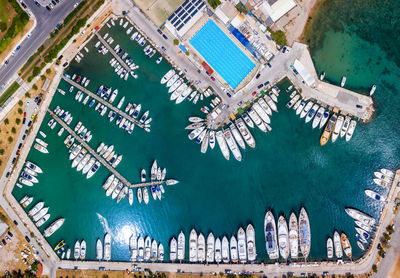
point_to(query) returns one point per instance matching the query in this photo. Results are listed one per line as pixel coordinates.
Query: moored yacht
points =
(245, 132)
(251, 243)
(210, 248)
(270, 236)
(222, 144)
(304, 233)
(328, 130)
(293, 236)
(201, 248)
(338, 245)
(181, 246)
(232, 145)
(329, 248)
(242, 250)
(218, 255)
(346, 245)
(173, 249)
(107, 247)
(193, 246)
(337, 129)
(225, 250)
(283, 237)
(234, 249)
(99, 249)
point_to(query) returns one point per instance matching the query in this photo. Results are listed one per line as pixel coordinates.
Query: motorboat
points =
(312, 112)
(374, 195)
(130, 196)
(363, 226)
(350, 130)
(328, 130)
(145, 195)
(245, 132)
(250, 243)
(133, 247)
(304, 233)
(232, 145)
(53, 227)
(160, 253)
(107, 247)
(33, 167)
(237, 136)
(196, 119)
(201, 248)
(210, 248)
(99, 250)
(36, 209)
(293, 101)
(324, 118)
(147, 248)
(372, 91)
(234, 249)
(271, 103)
(242, 250)
(181, 246)
(363, 234)
(306, 109)
(204, 143)
(301, 107)
(329, 248)
(264, 106)
(193, 246)
(154, 250)
(222, 144)
(175, 85)
(343, 81)
(345, 126)
(263, 115)
(338, 245)
(173, 249)
(218, 255)
(77, 250)
(337, 129)
(257, 120)
(40, 214)
(270, 236)
(247, 120)
(153, 171)
(225, 250)
(140, 249)
(293, 236)
(283, 238)
(173, 79)
(360, 216)
(346, 245)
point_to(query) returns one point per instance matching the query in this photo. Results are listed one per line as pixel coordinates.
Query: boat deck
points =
(123, 64)
(100, 158)
(102, 101)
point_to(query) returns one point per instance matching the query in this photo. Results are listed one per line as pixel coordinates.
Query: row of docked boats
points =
(79, 250)
(383, 177)
(364, 224)
(84, 81)
(66, 116)
(39, 213)
(145, 249)
(240, 248)
(103, 250)
(336, 126)
(29, 174)
(338, 245)
(81, 158)
(109, 154)
(178, 89)
(83, 132)
(287, 240)
(117, 190)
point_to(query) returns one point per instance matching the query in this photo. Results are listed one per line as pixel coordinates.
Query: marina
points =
(222, 178)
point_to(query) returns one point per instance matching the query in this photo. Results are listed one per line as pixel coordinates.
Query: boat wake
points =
(104, 223)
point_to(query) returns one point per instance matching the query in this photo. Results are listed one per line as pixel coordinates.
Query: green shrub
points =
(9, 92)
(13, 130)
(35, 87)
(35, 71)
(10, 139)
(214, 3)
(279, 37)
(48, 71)
(374, 268)
(6, 121)
(27, 94)
(20, 111)
(241, 8)
(1, 151)
(176, 42)
(3, 26)
(20, 103)
(17, 121)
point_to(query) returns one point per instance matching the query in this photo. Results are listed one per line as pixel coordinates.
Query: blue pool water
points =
(222, 54)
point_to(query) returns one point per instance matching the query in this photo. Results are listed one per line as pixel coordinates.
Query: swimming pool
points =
(222, 54)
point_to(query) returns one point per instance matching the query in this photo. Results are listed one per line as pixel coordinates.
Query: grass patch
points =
(8, 93)
(17, 25)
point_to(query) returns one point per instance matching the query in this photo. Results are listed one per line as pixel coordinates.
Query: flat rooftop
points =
(222, 54)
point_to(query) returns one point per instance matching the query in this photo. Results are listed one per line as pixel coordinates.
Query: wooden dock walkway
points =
(100, 158)
(125, 66)
(102, 101)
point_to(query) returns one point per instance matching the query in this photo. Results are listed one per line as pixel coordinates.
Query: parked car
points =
(23, 120)
(258, 75)
(27, 239)
(13, 161)
(65, 64)
(8, 174)
(4, 242)
(10, 234)
(17, 153)
(30, 123)
(260, 86)
(23, 137)
(19, 146)
(165, 37)
(159, 31)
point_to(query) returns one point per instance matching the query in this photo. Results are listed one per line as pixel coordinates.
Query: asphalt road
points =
(45, 23)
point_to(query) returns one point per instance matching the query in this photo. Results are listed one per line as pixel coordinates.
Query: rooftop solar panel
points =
(180, 27)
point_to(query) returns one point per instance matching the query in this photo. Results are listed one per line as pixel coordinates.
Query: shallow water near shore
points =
(287, 169)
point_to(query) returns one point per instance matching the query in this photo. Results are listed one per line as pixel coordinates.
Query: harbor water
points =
(287, 169)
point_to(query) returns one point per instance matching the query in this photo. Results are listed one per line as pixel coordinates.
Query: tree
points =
(1, 151)
(27, 94)
(35, 87)
(176, 42)
(13, 130)
(214, 3)
(35, 71)
(10, 139)
(374, 268)
(279, 37)
(20, 111)
(20, 103)
(6, 121)
(48, 71)
(17, 121)
(3, 26)
(43, 77)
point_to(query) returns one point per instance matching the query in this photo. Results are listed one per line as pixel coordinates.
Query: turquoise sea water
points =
(287, 169)
(223, 55)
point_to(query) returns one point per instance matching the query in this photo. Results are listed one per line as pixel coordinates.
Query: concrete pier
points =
(125, 66)
(102, 101)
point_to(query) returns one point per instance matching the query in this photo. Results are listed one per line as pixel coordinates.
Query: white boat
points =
(154, 250)
(178, 92)
(250, 243)
(264, 106)
(318, 117)
(193, 246)
(82, 253)
(242, 250)
(234, 249)
(329, 248)
(372, 91)
(360, 245)
(53, 227)
(77, 250)
(201, 248)
(130, 196)
(121, 102)
(301, 107)
(133, 247)
(374, 195)
(322, 76)
(196, 119)
(306, 109)
(139, 195)
(283, 238)
(40, 148)
(158, 61)
(222, 144)
(232, 145)
(237, 136)
(263, 115)
(40, 214)
(204, 143)
(257, 120)
(247, 120)
(225, 250)
(36, 209)
(160, 253)
(304, 233)
(297, 104)
(245, 132)
(140, 249)
(271, 103)
(175, 85)
(183, 95)
(338, 127)
(210, 248)
(196, 132)
(270, 236)
(181, 246)
(153, 171)
(218, 255)
(33, 167)
(68, 256)
(145, 195)
(363, 226)
(350, 130)
(324, 119)
(338, 245)
(293, 101)
(129, 30)
(345, 126)
(312, 112)
(173, 249)
(99, 250)
(293, 236)
(147, 248)
(343, 81)
(173, 79)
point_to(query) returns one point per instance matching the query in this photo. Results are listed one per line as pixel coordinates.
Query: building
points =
(269, 11)
(3, 228)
